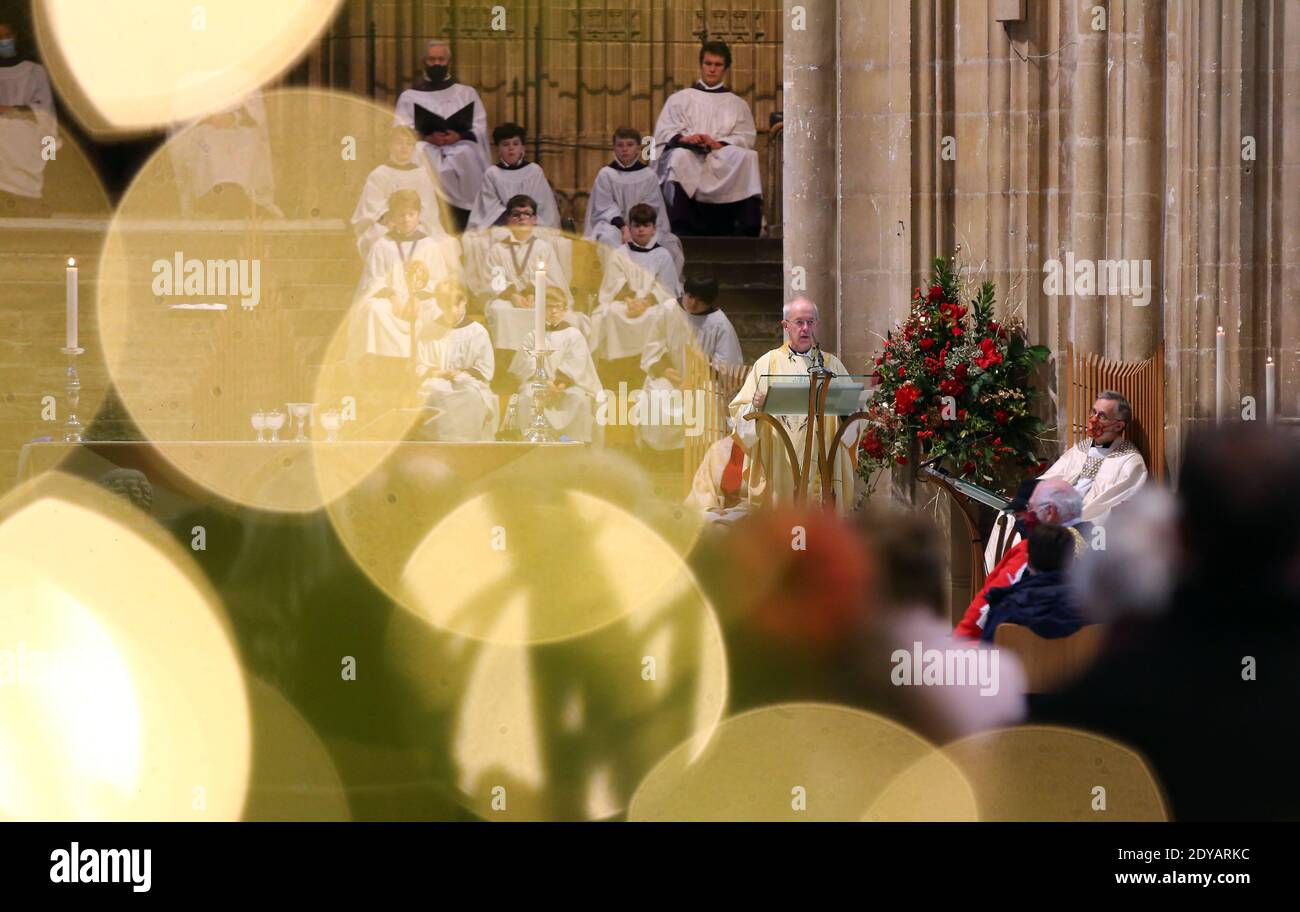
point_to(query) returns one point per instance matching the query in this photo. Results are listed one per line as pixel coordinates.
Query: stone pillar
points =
(810, 165)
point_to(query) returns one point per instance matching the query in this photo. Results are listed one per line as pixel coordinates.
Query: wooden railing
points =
(720, 385)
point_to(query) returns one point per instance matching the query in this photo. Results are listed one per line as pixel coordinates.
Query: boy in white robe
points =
(223, 163)
(512, 175)
(572, 382)
(27, 116)
(454, 364)
(707, 163)
(620, 185)
(695, 330)
(402, 171)
(452, 121)
(639, 276)
(405, 241)
(509, 271)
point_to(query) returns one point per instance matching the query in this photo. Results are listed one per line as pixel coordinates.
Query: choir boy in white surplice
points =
(404, 242)
(223, 163)
(512, 175)
(510, 271)
(623, 183)
(705, 332)
(380, 323)
(707, 163)
(452, 121)
(403, 171)
(26, 117)
(455, 364)
(572, 381)
(639, 277)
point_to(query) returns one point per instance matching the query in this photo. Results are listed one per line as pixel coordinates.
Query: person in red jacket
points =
(1007, 571)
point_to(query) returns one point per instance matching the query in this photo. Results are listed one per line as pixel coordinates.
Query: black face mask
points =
(436, 72)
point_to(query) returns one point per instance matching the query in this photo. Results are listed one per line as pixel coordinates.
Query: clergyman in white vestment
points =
(771, 481)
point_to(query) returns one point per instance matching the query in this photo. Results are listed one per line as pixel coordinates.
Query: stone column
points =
(810, 164)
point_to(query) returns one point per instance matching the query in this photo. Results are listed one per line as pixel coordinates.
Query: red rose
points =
(927, 344)
(993, 326)
(968, 468)
(872, 446)
(1001, 418)
(902, 372)
(931, 364)
(997, 441)
(960, 371)
(901, 460)
(905, 399)
(879, 361)
(952, 387)
(936, 293)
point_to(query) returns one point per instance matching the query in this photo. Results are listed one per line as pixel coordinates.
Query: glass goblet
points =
(301, 412)
(275, 421)
(331, 421)
(259, 424)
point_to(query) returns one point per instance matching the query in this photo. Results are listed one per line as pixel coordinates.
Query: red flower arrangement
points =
(957, 384)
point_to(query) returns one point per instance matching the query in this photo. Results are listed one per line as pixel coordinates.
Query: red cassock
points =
(1007, 569)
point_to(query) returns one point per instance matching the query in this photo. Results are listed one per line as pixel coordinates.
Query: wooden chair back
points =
(1142, 383)
(1050, 664)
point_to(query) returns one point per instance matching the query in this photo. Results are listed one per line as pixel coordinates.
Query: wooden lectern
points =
(822, 393)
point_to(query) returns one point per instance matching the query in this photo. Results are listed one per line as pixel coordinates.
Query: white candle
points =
(1269, 380)
(72, 303)
(539, 306)
(1219, 391)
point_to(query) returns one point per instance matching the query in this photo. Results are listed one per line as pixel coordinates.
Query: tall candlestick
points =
(1220, 394)
(1269, 380)
(72, 303)
(539, 306)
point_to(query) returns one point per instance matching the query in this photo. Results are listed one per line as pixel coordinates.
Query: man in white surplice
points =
(26, 118)
(452, 121)
(707, 163)
(1105, 468)
(771, 481)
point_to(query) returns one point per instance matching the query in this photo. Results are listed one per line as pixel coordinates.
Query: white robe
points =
(615, 192)
(771, 482)
(382, 183)
(1121, 473)
(373, 329)
(469, 407)
(706, 488)
(501, 183)
(725, 175)
(511, 267)
(22, 165)
(672, 331)
(574, 416)
(204, 156)
(648, 273)
(459, 166)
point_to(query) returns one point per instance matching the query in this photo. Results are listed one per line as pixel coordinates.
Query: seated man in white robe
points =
(452, 121)
(720, 488)
(707, 163)
(1105, 469)
(223, 163)
(620, 185)
(511, 269)
(771, 471)
(512, 175)
(26, 117)
(402, 171)
(695, 330)
(639, 276)
(572, 384)
(454, 363)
